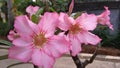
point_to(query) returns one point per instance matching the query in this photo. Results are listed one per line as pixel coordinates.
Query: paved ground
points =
(64, 62)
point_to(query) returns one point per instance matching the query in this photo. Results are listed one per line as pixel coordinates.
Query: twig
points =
(80, 64)
(77, 61)
(86, 62)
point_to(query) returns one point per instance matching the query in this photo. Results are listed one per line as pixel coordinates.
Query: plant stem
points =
(77, 61)
(80, 64)
(35, 66)
(86, 62)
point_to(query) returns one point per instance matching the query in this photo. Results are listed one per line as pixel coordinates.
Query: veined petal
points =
(87, 22)
(34, 27)
(21, 26)
(57, 46)
(48, 22)
(75, 45)
(40, 58)
(64, 23)
(20, 53)
(21, 42)
(88, 38)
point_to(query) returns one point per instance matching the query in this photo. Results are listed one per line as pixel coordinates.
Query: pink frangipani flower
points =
(37, 42)
(104, 18)
(79, 30)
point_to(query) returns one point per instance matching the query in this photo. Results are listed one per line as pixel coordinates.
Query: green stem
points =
(3, 57)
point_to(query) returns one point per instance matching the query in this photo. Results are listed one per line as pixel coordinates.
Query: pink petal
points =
(75, 45)
(48, 23)
(21, 25)
(64, 21)
(57, 46)
(104, 18)
(40, 58)
(21, 42)
(88, 38)
(20, 53)
(34, 27)
(32, 9)
(12, 35)
(87, 22)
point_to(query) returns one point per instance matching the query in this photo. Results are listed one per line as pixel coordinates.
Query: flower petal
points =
(12, 35)
(104, 18)
(48, 22)
(21, 42)
(21, 26)
(32, 9)
(87, 22)
(57, 46)
(64, 22)
(39, 58)
(75, 45)
(88, 38)
(34, 27)
(21, 53)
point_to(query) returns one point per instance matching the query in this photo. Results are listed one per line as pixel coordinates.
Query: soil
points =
(102, 50)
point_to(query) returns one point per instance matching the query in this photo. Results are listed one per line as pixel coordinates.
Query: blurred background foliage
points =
(19, 6)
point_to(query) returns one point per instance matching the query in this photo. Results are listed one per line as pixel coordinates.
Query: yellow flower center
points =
(75, 29)
(39, 40)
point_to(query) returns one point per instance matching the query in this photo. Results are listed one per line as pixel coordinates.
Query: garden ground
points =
(101, 61)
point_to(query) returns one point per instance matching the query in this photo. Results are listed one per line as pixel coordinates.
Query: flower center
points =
(75, 29)
(39, 40)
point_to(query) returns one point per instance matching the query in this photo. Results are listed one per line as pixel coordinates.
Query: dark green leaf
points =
(52, 9)
(3, 57)
(35, 19)
(6, 42)
(40, 11)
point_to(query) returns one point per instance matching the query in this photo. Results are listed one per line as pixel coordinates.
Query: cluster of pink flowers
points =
(38, 43)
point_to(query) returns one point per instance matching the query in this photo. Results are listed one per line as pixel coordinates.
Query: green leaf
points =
(52, 9)
(3, 57)
(40, 11)
(35, 19)
(6, 42)
(77, 14)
